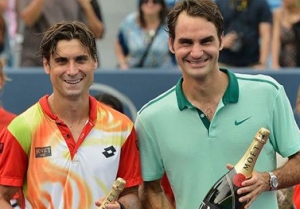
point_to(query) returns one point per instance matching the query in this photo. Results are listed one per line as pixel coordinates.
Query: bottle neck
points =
(246, 164)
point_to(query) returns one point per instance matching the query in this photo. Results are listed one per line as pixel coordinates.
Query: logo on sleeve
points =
(43, 152)
(237, 123)
(1, 147)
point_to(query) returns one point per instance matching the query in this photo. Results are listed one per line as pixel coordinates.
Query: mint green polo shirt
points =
(176, 137)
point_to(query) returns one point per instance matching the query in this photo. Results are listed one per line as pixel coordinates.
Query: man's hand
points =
(253, 187)
(111, 205)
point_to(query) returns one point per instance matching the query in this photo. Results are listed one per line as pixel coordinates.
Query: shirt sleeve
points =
(130, 167)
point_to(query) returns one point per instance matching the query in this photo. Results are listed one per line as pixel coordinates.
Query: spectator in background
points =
(286, 35)
(11, 14)
(170, 3)
(247, 32)
(38, 15)
(142, 40)
(3, 41)
(274, 4)
(5, 118)
(111, 101)
(4, 35)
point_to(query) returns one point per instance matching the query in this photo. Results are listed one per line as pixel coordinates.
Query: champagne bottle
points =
(223, 194)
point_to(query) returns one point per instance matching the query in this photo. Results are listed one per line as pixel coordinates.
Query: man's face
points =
(196, 45)
(71, 69)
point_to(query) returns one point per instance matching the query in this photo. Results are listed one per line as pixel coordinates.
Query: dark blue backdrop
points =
(134, 87)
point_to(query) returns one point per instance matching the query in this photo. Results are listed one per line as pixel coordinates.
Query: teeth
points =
(73, 81)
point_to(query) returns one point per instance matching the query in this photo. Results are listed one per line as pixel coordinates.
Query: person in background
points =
(247, 33)
(274, 4)
(111, 101)
(194, 130)
(68, 152)
(284, 41)
(38, 15)
(3, 41)
(170, 3)
(4, 34)
(15, 38)
(5, 118)
(142, 40)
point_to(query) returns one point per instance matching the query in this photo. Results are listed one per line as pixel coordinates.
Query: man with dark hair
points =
(208, 119)
(63, 151)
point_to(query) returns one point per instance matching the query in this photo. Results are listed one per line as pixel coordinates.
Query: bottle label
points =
(238, 179)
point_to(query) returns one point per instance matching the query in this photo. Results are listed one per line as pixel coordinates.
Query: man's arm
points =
(96, 26)
(288, 175)
(6, 194)
(153, 196)
(130, 199)
(265, 42)
(32, 12)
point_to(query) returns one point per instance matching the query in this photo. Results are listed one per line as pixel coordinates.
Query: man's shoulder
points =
(258, 79)
(160, 102)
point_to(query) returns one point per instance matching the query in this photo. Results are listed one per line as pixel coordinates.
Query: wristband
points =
(121, 205)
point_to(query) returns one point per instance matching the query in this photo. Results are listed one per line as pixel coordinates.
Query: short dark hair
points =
(67, 30)
(196, 8)
(110, 100)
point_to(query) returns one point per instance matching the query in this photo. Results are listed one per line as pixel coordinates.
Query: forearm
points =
(289, 174)
(122, 62)
(4, 204)
(93, 22)
(156, 201)
(32, 12)
(131, 201)
(154, 198)
(265, 31)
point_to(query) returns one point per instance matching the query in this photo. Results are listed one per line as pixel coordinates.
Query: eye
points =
(60, 60)
(185, 42)
(207, 40)
(82, 59)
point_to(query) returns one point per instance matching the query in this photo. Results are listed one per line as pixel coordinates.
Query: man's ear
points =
(96, 64)
(171, 43)
(46, 65)
(221, 42)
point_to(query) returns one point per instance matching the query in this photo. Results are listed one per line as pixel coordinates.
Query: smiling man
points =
(67, 150)
(208, 119)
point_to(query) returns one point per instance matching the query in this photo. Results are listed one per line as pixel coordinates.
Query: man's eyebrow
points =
(58, 57)
(208, 38)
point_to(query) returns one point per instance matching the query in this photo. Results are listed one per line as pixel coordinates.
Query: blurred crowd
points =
(258, 34)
